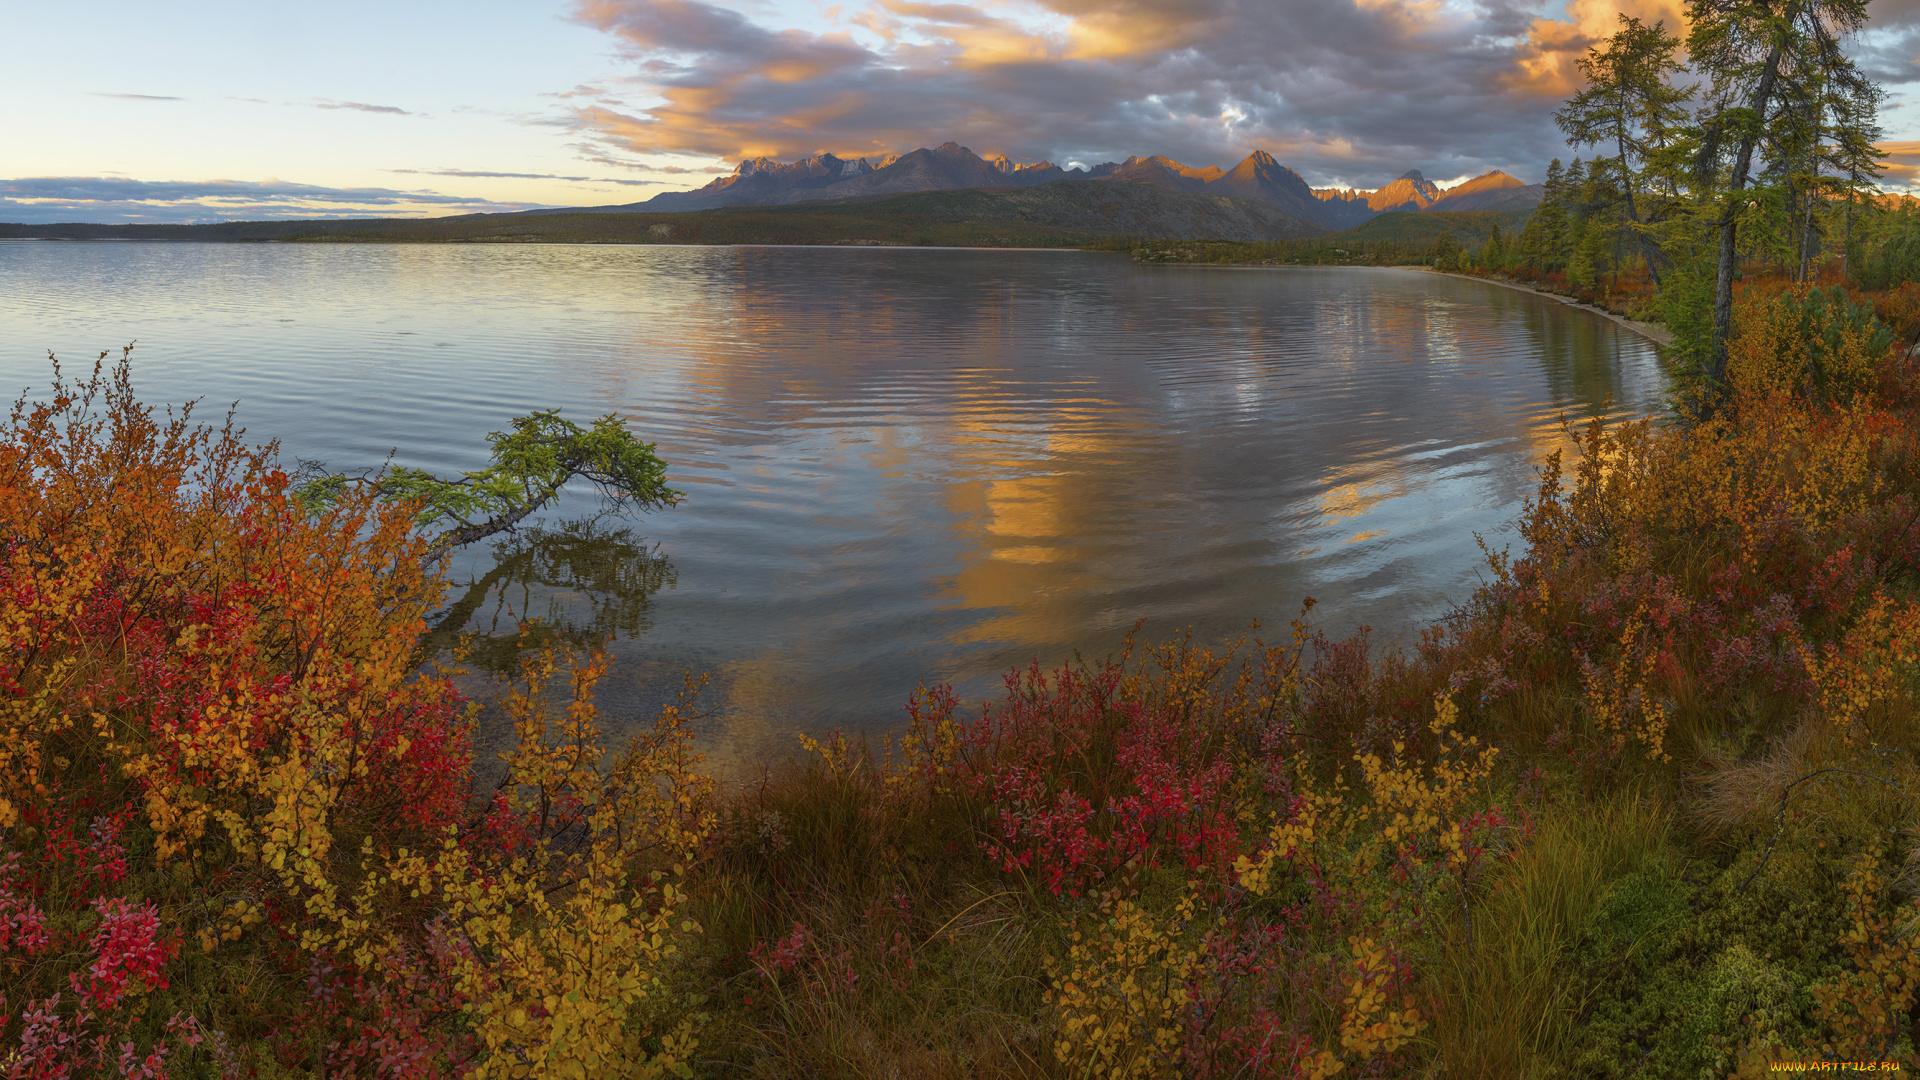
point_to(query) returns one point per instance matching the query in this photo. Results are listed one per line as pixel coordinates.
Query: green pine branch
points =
(531, 464)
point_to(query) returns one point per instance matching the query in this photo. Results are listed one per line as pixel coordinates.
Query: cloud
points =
(40, 199)
(1902, 162)
(469, 173)
(135, 97)
(1347, 91)
(589, 152)
(364, 107)
(1887, 51)
(1548, 60)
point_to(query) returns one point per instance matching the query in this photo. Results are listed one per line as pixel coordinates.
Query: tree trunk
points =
(1808, 241)
(1633, 215)
(1846, 245)
(1792, 206)
(1729, 252)
(454, 538)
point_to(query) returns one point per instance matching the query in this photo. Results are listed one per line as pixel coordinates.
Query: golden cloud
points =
(1548, 61)
(1898, 175)
(1106, 30)
(1407, 16)
(842, 104)
(1902, 163)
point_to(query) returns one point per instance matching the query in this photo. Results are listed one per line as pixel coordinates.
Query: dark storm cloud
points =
(113, 199)
(1887, 51)
(1350, 90)
(1357, 92)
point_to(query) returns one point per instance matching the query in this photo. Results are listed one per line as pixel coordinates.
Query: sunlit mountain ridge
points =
(950, 166)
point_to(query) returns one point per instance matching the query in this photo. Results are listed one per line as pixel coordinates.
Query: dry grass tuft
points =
(1737, 794)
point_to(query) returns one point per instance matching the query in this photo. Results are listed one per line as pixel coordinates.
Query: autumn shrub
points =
(1642, 807)
(1112, 823)
(1098, 773)
(1814, 342)
(236, 822)
(1699, 597)
(1899, 308)
(1688, 578)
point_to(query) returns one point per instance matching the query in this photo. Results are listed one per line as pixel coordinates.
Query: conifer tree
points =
(1541, 240)
(1494, 254)
(1758, 57)
(531, 465)
(1629, 106)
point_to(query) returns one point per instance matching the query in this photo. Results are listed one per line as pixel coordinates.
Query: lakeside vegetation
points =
(1642, 808)
(1399, 238)
(1770, 181)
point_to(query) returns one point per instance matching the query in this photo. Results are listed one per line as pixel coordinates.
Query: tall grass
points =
(1509, 1002)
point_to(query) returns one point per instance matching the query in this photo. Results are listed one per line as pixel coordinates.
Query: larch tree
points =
(531, 465)
(1757, 58)
(1631, 106)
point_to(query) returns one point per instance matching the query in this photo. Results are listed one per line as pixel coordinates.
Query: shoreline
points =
(1653, 332)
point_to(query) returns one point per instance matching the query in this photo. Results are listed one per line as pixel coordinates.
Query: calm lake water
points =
(901, 465)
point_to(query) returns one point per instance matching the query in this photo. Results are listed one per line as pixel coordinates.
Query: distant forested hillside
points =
(1399, 238)
(1470, 228)
(1066, 213)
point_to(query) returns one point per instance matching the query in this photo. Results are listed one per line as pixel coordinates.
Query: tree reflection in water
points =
(591, 582)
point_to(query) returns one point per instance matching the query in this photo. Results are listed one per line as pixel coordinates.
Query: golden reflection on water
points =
(1027, 525)
(1028, 479)
(1374, 483)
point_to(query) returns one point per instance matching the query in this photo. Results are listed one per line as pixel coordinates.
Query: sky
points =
(209, 110)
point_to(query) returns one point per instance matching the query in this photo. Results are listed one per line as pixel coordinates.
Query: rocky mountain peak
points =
(1003, 164)
(764, 181)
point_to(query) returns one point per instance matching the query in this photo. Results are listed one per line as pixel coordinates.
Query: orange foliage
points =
(1899, 308)
(230, 688)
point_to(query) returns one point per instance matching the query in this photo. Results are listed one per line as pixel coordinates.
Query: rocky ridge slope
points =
(1259, 177)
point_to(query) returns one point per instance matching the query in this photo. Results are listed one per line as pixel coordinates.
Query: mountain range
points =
(950, 166)
(1065, 213)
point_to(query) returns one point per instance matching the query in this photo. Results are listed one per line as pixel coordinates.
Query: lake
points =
(901, 465)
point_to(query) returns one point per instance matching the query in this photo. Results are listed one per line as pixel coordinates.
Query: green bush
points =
(1896, 261)
(1685, 305)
